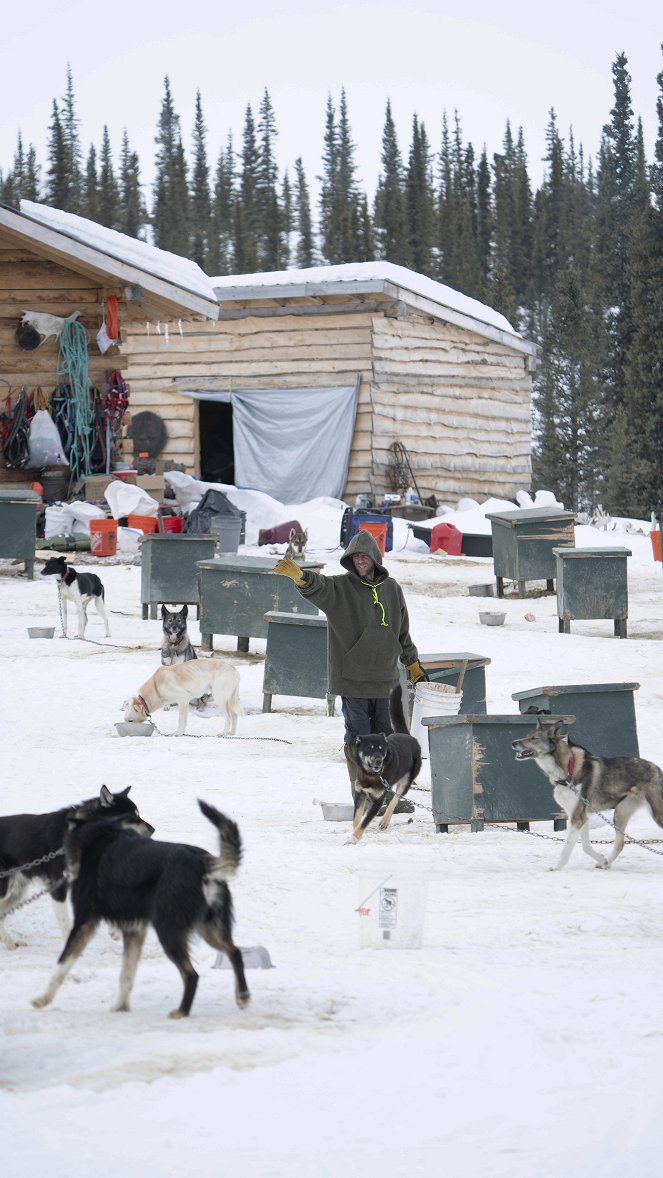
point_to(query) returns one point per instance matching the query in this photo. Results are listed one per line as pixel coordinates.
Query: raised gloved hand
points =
(416, 672)
(289, 568)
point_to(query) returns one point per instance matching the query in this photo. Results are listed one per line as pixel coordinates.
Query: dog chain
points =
(38, 895)
(205, 736)
(35, 863)
(504, 828)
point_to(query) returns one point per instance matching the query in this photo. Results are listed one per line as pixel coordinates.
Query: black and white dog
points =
(80, 589)
(175, 642)
(26, 838)
(133, 882)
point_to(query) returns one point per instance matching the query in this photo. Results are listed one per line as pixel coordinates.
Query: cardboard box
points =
(152, 483)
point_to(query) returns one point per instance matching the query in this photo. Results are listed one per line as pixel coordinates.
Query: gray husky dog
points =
(585, 784)
(175, 642)
(386, 765)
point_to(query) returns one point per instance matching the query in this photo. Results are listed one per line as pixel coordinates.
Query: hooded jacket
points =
(368, 628)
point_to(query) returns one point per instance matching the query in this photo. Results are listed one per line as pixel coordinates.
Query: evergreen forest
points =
(575, 265)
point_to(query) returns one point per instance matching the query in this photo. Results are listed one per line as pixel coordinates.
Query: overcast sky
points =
(489, 61)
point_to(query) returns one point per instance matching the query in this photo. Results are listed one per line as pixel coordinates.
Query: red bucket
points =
(103, 537)
(172, 523)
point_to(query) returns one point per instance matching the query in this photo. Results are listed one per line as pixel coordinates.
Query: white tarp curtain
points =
(293, 444)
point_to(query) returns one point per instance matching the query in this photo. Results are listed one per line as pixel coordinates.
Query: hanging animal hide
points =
(47, 325)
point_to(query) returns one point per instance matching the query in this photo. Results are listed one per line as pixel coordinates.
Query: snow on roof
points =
(160, 263)
(359, 272)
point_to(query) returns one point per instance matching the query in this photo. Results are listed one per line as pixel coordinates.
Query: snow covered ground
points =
(524, 1038)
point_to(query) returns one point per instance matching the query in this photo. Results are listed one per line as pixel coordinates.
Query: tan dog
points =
(183, 682)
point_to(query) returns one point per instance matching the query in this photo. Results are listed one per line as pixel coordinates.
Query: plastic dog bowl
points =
(491, 618)
(336, 811)
(134, 728)
(41, 631)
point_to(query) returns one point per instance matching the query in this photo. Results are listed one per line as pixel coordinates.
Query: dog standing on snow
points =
(584, 784)
(133, 882)
(80, 589)
(183, 683)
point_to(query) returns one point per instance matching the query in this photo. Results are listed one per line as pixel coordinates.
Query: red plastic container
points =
(446, 537)
(378, 532)
(172, 523)
(280, 534)
(103, 537)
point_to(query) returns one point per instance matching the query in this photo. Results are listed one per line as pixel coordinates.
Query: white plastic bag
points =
(44, 444)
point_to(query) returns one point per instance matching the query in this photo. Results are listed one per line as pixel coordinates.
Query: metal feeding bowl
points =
(134, 728)
(255, 957)
(491, 618)
(336, 811)
(41, 631)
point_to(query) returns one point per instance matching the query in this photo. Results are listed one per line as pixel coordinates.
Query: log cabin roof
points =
(363, 283)
(158, 281)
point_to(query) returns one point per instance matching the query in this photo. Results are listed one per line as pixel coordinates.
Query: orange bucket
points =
(145, 523)
(655, 538)
(378, 532)
(103, 537)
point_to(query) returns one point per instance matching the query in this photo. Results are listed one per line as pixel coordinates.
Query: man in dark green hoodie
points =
(368, 632)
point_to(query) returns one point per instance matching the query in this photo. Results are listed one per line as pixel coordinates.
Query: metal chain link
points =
(34, 863)
(38, 895)
(646, 844)
(205, 736)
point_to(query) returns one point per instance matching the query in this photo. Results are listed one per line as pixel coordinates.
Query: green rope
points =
(72, 366)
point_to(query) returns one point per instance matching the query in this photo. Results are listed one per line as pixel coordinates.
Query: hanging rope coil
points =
(73, 367)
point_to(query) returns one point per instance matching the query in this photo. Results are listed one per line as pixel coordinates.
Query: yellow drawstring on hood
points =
(376, 600)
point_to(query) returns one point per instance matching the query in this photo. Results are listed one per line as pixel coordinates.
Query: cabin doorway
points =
(215, 429)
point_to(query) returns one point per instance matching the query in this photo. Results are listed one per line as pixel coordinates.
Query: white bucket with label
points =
(391, 908)
(432, 699)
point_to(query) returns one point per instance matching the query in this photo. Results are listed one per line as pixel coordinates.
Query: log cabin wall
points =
(255, 351)
(459, 403)
(29, 282)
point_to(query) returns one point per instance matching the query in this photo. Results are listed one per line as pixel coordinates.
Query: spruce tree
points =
(305, 251)
(330, 215)
(72, 144)
(220, 248)
(171, 212)
(108, 191)
(58, 189)
(246, 212)
(90, 201)
(420, 203)
(133, 213)
(637, 468)
(268, 211)
(287, 221)
(568, 401)
(200, 191)
(390, 212)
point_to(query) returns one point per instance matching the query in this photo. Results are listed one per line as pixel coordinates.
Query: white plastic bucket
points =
(391, 908)
(432, 699)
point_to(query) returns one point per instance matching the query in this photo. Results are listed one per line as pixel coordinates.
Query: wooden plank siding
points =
(31, 283)
(459, 403)
(287, 351)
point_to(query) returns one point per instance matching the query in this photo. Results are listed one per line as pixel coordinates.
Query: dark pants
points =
(364, 716)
